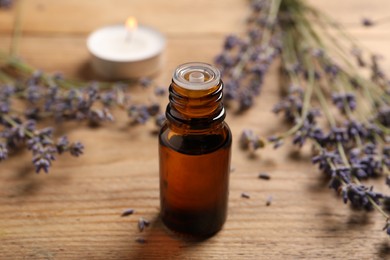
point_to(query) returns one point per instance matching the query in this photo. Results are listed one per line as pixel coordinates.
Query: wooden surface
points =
(74, 212)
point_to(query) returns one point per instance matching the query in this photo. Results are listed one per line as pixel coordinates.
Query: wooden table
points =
(74, 212)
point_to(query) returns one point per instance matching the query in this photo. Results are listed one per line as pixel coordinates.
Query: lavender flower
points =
(160, 119)
(6, 3)
(139, 114)
(343, 100)
(383, 116)
(127, 212)
(249, 140)
(76, 149)
(230, 42)
(142, 224)
(367, 22)
(3, 152)
(347, 153)
(145, 82)
(160, 91)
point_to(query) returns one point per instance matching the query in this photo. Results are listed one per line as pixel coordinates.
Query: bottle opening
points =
(196, 76)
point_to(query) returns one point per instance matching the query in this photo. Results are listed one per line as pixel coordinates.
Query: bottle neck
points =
(195, 109)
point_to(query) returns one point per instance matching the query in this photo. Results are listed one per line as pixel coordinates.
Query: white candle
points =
(122, 52)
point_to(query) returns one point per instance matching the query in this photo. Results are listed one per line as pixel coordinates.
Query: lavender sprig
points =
(350, 142)
(53, 96)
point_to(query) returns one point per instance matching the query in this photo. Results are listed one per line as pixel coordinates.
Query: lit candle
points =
(126, 51)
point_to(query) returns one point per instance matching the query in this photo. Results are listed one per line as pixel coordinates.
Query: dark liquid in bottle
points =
(194, 173)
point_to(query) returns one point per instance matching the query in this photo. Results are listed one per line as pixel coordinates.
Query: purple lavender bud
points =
(34, 144)
(335, 184)
(318, 52)
(142, 223)
(3, 152)
(338, 134)
(4, 107)
(257, 5)
(160, 91)
(344, 194)
(299, 138)
(355, 128)
(370, 149)
(76, 149)
(225, 61)
(245, 138)
(383, 116)
(6, 3)
(231, 41)
(145, 82)
(33, 94)
(32, 113)
(95, 116)
(139, 114)
(62, 144)
(154, 109)
(367, 22)
(358, 171)
(127, 212)
(41, 163)
(140, 240)
(386, 156)
(230, 90)
(342, 100)
(259, 70)
(108, 98)
(249, 140)
(107, 115)
(160, 120)
(245, 195)
(264, 176)
(254, 34)
(45, 132)
(323, 160)
(93, 91)
(245, 102)
(273, 138)
(278, 144)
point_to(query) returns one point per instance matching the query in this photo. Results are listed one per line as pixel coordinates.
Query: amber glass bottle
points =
(194, 150)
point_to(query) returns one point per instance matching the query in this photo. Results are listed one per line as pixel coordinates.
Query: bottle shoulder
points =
(196, 142)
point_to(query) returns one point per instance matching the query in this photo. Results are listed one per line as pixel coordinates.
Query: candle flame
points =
(131, 24)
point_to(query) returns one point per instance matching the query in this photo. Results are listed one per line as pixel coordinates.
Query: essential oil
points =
(194, 149)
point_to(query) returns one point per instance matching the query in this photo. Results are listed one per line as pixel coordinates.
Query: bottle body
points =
(194, 149)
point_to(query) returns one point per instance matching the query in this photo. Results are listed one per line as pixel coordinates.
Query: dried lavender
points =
(244, 61)
(264, 176)
(140, 240)
(268, 201)
(350, 142)
(52, 96)
(127, 212)
(142, 224)
(6, 3)
(245, 195)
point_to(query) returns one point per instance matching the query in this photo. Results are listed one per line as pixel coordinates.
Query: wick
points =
(129, 36)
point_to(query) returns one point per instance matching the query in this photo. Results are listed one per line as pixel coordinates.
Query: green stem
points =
(275, 5)
(17, 29)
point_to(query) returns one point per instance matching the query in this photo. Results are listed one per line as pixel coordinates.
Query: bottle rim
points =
(182, 76)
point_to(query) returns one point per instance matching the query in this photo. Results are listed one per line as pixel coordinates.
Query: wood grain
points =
(74, 212)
